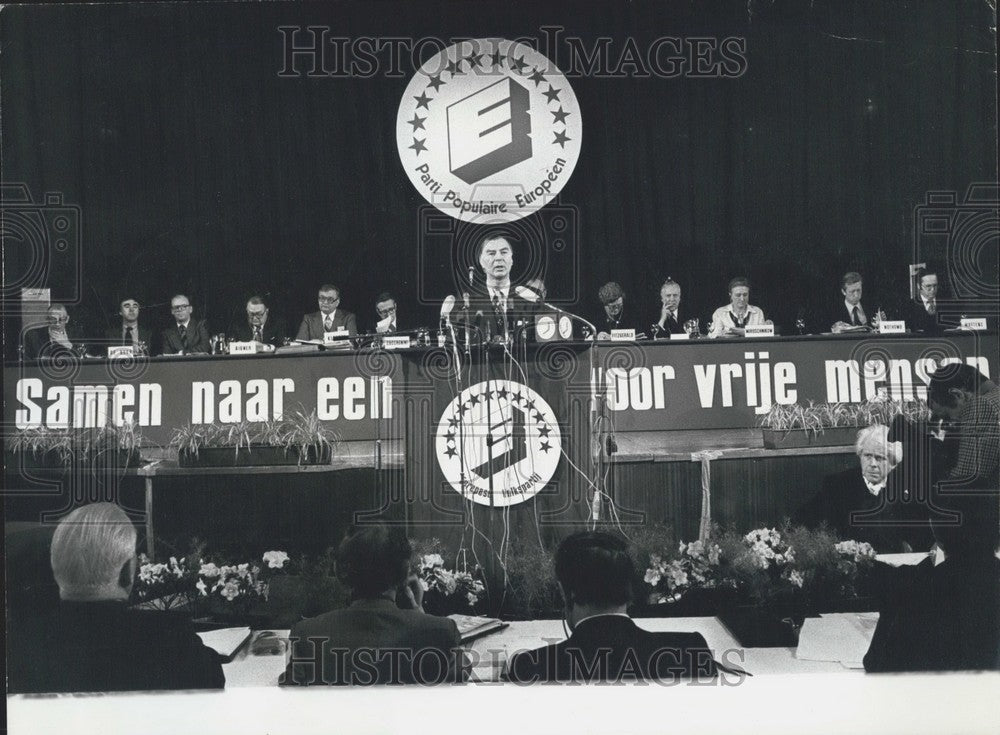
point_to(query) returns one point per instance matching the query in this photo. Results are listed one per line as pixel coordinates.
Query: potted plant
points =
(831, 424)
(297, 439)
(58, 449)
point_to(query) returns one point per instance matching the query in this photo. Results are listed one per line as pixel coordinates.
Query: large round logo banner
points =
(489, 130)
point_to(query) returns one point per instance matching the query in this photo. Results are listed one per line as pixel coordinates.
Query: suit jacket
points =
(626, 320)
(838, 313)
(672, 325)
(273, 333)
(614, 648)
(943, 618)
(113, 336)
(887, 521)
(918, 320)
(197, 339)
(374, 642)
(38, 344)
(312, 324)
(104, 647)
(483, 316)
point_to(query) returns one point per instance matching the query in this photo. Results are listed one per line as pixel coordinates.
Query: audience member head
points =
(612, 298)
(180, 307)
(670, 294)
(374, 559)
(951, 387)
(385, 305)
(739, 293)
(93, 554)
(129, 310)
(595, 573)
(329, 298)
(876, 454)
(496, 257)
(850, 286)
(256, 311)
(927, 283)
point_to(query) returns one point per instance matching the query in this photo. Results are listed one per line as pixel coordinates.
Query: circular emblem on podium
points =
(498, 443)
(489, 130)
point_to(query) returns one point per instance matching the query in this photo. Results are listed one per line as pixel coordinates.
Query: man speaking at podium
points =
(495, 307)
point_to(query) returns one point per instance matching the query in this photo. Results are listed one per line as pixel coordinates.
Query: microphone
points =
(532, 296)
(472, 274)
(447, 306)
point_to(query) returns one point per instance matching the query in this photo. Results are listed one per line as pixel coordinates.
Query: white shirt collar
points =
(874, 489)
(602, 615)
(183, 324)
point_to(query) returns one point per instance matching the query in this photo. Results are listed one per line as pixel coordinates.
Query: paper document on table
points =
(842, 637)
(225, 641)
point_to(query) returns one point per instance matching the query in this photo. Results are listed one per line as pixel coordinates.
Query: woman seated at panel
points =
(732, 320)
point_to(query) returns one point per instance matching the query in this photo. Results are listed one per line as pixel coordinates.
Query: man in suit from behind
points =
(596, 575)
(93, 641)
(260, 325)
(187, 336)
(329, 318)
(376, 640)
(129, 332)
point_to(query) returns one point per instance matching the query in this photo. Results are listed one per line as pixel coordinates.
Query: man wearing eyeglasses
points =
(260, 325)
(187, 336)
(329, 318)
(129, 332)
(385, 307)
(51, 338)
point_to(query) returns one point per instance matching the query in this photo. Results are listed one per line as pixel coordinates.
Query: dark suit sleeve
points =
(303, 332)
(201, 342)
(305, 667)
(351, 324)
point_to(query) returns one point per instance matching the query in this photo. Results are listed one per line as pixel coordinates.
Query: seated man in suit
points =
(93, 641)
(944, 617)
(731, 320)
(385, 307)
(52, 338)
(596, 575)
(130, 332)
(260, 325)
(854, 503)
(187, 336)
(374, 641)
(849, 314)
(921, 314)
(670, 320)
(329, 318)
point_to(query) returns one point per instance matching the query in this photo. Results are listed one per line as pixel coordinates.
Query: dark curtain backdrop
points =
(198, 169)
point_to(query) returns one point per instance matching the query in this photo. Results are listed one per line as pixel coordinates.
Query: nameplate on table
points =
(973, 324)
(759, 330)
(336, 337)
(623, 335)
(396, 342)
(121, 352)
(891, 327)
(682, 335)
(242, 348)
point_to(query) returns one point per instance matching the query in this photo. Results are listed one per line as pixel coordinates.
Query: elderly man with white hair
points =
(94, 641)
(854, 503)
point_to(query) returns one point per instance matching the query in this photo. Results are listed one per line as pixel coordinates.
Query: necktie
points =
(328, 323)
(184, 337)
(855, 317)
(128, 335)
(256, 334)
(671, 321)
(498, 313)
(932, 307)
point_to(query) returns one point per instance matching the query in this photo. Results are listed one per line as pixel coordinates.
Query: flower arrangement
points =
(194, 582)
(445, 589)
(766, 567)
